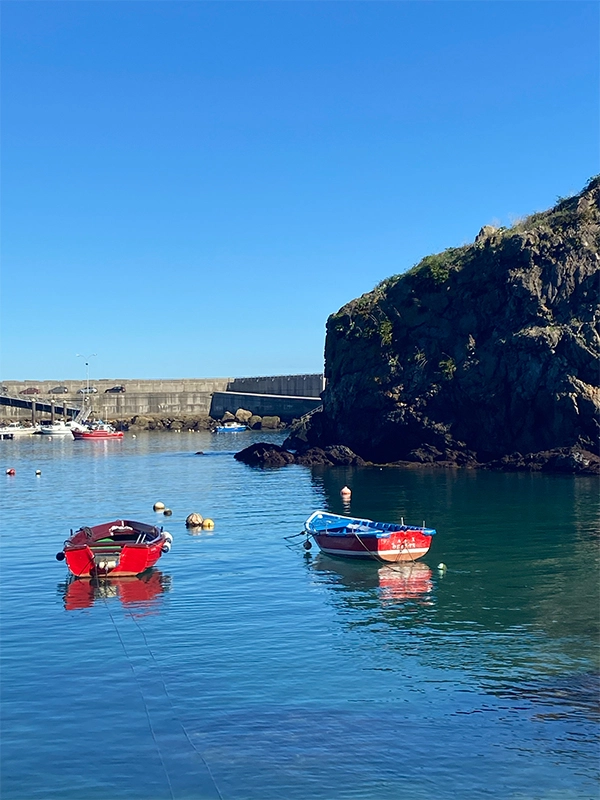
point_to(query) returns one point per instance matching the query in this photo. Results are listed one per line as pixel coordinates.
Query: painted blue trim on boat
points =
(337, 525)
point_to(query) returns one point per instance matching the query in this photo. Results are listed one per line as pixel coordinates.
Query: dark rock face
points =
(336, 455)
(476, 353)
(572, 460)
(264, 454)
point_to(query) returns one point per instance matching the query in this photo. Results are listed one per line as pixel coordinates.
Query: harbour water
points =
(243, 668)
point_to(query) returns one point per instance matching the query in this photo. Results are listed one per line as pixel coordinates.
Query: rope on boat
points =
(160, 755)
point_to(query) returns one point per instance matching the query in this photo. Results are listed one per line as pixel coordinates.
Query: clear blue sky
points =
(191, 188)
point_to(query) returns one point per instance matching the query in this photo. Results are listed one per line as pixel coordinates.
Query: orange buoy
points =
(346, 492)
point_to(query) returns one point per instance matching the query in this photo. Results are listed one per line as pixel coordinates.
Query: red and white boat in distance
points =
(353, 537)
(97, 430)
(122, 547)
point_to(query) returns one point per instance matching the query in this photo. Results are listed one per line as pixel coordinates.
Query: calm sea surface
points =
(243, 669)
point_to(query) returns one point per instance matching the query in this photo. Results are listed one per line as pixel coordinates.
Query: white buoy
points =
(442, 567)
(158, 506)
(38, 472)
(346, 492)
(134, 436)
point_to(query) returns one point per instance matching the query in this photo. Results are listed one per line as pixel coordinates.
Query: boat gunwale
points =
(376, 530)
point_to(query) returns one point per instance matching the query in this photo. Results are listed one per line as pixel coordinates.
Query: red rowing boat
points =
(122, 547)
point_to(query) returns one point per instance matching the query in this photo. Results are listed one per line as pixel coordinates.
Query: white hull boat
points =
(56, 429)
(16, 429)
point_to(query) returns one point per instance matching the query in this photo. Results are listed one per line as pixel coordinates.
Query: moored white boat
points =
(18, 429)
(58, 428)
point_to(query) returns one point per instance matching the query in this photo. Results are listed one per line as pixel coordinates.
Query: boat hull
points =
(406, 545)
(230, 428)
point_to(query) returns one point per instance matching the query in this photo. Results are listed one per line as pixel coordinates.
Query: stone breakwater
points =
(200, 422)
(569, 460)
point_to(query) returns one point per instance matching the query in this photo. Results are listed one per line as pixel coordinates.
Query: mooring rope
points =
(160, 755)
(176, 715)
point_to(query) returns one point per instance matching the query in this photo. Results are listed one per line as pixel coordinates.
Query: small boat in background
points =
(58, 428)
(353, 537)
(231, 427)
(14, 429)
(97, 430)
(122, 547)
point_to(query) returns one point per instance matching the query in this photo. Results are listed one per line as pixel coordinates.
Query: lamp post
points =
(87, 371)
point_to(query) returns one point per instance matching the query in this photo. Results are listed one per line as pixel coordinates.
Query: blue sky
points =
(191, 188)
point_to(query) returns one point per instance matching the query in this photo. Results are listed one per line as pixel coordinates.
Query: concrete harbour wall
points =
(290, 385)
(288, 408)
(171, 398)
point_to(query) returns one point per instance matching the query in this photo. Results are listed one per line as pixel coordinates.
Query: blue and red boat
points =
(353, 537)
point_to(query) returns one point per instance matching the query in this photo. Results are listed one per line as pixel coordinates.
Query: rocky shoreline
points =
(566, 460)
(196, 422)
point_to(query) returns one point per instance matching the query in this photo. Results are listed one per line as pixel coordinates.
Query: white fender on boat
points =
(168, 536)
(166, 547)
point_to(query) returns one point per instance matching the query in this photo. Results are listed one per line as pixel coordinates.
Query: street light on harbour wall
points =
(87, 370)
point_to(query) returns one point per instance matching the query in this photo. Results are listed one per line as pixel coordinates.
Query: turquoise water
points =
(242, 668)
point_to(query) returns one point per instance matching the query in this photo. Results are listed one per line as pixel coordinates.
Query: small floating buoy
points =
(208, 524)
(199, 453)
(133, 436)
(442, 567)
(60, 556)
(167, 512)
(11, 471)
(38, 472)
(158, 506)
(346, 492)
(307, 544)
(194, 520)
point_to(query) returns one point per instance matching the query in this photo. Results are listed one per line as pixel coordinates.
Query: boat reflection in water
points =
(140, 591)
(394, 582)
(405, 581)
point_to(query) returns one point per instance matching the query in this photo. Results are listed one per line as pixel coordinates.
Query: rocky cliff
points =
(475, 353)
